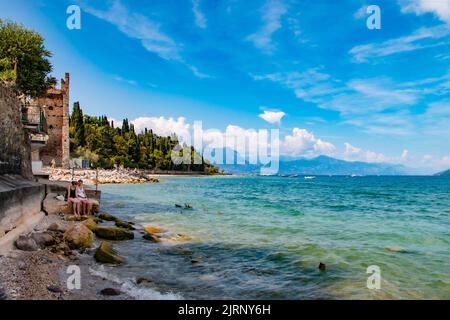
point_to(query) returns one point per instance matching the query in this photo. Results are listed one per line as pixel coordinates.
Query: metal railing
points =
(34, 118)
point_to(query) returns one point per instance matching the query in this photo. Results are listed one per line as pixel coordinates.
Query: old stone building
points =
(55, 107)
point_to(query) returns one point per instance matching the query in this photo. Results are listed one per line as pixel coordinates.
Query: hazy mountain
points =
(323, 165)
(443, 173)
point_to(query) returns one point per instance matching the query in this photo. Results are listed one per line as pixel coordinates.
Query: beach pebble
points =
(3, 294)
(110, 292)
(26, 244)
(54, 289)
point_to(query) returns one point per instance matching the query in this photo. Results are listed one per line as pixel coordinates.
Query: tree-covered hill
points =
(106, 145)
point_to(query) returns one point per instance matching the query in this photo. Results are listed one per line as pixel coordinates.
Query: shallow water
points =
(263, 237)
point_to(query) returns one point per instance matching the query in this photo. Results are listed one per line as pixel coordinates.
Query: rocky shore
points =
(101, 176)
(40, 265)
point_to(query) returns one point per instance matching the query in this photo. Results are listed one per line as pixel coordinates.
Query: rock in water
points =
(114, 233)
(106, 254)
(79, 237)
(125, 225)
(143, 281)
(26, 244)
(107, 217)
(43, 239)
(90, 224)
(151, 229)
(322, 266)
(110, 292)
(151, 237)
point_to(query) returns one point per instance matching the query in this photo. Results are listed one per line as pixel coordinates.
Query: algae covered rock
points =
(114, 233)
(106, 254)
(107, 217)
(151, 237)
(124, 224)
(79, 237)
(90, 224)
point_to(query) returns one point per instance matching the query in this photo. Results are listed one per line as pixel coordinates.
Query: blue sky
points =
(310, 68)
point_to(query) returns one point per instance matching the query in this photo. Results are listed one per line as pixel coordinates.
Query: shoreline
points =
(113, 176)
(42, 274)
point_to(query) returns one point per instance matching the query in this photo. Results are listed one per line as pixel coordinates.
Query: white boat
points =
(309, 177)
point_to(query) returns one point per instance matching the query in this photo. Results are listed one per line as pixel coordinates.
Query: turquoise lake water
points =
(264, 237)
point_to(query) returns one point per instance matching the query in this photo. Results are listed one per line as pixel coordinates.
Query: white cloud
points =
(302, 143)
(440, 8)
(163, 126)
(272, 116)
(200, 19)
(273, 10)
(353, 153)
(419, 39)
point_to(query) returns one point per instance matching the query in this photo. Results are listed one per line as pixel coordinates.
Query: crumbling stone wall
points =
(15, 151)
(55, 105)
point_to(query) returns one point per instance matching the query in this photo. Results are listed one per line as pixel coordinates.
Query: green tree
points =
(24, 59)
(77, 126)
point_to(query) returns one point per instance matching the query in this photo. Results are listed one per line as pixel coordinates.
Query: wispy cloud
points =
(200, 19)
(137, 26)
(120, 79)
(148, 32)
(357, 96)
(197, 73)
(273, 11)
(419, 39)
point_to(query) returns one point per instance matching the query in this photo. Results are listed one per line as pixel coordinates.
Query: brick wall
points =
(55, 105)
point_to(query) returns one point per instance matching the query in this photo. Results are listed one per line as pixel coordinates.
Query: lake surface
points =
(264, 237)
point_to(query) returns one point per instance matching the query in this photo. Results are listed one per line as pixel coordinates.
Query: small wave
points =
(130, 288)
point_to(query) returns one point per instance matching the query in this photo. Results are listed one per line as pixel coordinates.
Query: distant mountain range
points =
(444, 173)
(323, 165)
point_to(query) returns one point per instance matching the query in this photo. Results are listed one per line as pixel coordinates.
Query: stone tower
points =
(55, 105)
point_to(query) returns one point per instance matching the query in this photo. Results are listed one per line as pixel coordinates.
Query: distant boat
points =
(356, 175)
(309, 177)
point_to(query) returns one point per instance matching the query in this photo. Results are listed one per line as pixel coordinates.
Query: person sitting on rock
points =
(72, 198)
(86, 205)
